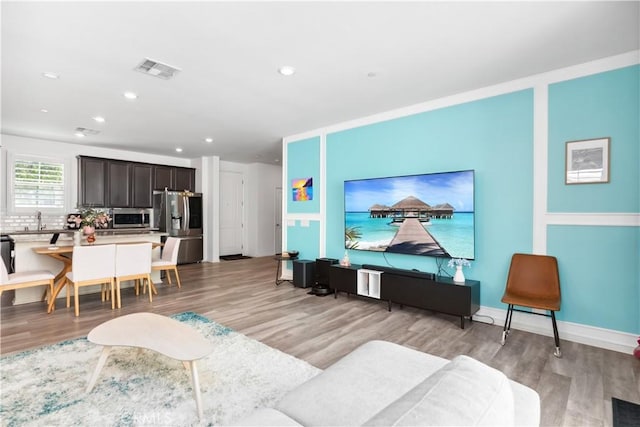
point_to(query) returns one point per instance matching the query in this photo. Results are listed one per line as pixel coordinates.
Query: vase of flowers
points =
(458, 263)
(89, 220)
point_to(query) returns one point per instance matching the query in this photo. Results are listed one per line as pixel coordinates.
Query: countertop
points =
(104, 231)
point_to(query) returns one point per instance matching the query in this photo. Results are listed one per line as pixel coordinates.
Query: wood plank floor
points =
(575, 390)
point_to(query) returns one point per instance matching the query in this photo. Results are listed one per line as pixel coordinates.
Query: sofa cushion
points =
(265, 417)
(464, 392)
(359, 385)
(526, 405)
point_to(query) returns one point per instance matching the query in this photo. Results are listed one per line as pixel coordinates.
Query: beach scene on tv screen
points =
(429, 214)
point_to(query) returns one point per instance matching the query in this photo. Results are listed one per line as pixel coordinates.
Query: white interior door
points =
(231, 213)
(278, 230)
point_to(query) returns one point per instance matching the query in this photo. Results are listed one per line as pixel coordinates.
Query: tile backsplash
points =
(30, 221)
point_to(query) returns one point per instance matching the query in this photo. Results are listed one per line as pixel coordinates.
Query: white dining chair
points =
(169, 259)
(133, 262)
(91, 265)
(25, 279)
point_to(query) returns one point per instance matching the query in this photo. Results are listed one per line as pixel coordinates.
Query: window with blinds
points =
(38, 184)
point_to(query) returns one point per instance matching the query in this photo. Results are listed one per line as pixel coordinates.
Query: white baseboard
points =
(590, 335)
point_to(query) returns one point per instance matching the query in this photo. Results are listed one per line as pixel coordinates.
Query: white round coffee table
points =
(153, 332)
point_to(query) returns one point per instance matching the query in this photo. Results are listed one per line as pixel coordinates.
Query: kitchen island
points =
(26, 259)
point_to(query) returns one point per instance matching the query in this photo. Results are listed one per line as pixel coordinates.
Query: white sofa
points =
(385, 384)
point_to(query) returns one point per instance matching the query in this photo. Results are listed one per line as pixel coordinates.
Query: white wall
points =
(260, 190)
(260, 182)
(68, 152)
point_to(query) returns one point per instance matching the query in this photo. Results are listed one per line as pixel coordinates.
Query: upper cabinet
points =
(185, 179)
(119, 188)
(141, 185)
(173, 178)
(92, 182)
(112, 183)
(163, 177)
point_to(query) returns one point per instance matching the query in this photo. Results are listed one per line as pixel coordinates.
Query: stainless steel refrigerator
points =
(179, 213)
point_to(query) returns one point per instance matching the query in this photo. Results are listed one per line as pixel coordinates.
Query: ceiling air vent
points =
(87, 131)
(157, 69)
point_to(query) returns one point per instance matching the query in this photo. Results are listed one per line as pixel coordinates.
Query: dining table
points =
(64, 254)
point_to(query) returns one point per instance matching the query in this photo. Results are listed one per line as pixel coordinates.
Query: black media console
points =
(408, 287)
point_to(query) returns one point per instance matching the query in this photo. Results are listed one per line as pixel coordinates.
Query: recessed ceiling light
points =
(80, 134)
(44, 110)
(287, 70)
(99, 119)
(130, 95)
(208, 140)
(179, 150)
(50, 75)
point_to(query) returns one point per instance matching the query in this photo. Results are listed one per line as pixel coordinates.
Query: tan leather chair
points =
(533, 282)
(169, 260)
(25, 279)
(91, 265)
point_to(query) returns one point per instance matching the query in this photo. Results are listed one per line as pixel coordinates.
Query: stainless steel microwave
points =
(131, 218)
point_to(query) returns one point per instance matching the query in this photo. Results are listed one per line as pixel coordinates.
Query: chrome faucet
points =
(39, 217)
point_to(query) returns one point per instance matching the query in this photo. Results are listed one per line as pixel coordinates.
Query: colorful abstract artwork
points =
(302, 189)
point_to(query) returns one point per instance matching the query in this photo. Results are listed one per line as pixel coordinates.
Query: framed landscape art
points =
(587, 161)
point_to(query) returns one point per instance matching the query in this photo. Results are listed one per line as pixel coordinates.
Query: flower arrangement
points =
(93, 218)
(459, 262)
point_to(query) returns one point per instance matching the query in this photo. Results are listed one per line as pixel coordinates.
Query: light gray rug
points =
(46, 386)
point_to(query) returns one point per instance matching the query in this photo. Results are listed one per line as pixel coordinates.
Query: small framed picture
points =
(587, 161)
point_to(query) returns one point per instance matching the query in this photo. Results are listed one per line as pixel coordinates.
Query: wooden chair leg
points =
(175, 270)
(112, 289)
(151, 285)
(119, 302)
(150, 290)
(76, 299)
(68, 286)
(51, 294)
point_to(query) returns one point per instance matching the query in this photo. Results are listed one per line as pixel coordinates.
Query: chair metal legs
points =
(507, 328)
(557, 352)
(507, 324)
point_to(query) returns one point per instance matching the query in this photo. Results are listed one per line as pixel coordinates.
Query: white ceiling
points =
(229, 54)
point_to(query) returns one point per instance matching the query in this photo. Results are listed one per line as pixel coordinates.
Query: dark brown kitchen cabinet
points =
(141, 185)
(110, 183)
(119, 188)
(163, 177)
(92, 183)
(185, 179)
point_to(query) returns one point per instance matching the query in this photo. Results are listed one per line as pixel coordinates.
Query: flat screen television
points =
(429, 214)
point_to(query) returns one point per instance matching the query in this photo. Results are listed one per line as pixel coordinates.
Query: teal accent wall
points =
(305, 239)
(599, 265)
(303, 161)
(493, 136)
(599, 273)
(600, 105)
